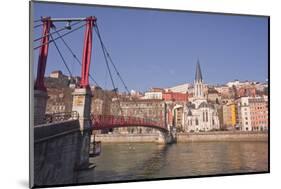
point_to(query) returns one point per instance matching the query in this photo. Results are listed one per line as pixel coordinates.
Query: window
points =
(203, 116)
(196, 121)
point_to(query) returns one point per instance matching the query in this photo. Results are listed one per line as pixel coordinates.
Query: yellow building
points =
(229, 115)
(233, 114)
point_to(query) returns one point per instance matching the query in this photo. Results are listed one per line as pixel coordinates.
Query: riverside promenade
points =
(215, 136)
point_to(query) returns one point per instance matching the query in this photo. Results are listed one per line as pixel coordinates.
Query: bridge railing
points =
(104, 121)
(61, 116)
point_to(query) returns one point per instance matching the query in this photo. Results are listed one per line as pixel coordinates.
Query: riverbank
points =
(186, 137)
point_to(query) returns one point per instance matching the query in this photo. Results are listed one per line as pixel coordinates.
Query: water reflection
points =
(148, 160)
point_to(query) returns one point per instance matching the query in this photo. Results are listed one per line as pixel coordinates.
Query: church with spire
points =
(199, 114)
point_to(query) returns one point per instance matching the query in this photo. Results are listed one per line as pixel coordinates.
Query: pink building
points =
(259, 114)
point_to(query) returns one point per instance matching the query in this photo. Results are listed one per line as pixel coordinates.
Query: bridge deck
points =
(109, 121)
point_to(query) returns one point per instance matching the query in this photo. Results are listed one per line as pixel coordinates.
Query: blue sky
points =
(160, 49)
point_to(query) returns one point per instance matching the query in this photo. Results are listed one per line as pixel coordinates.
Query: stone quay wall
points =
(126, 137)
(186, 137)
(222, 136)
(56, 149)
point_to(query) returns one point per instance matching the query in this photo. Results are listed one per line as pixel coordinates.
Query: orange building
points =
(175, 96)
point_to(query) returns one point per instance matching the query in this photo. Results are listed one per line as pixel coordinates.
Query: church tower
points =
(198, 83)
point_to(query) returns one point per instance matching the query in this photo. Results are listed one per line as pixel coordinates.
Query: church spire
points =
(198, 83)
(198, 74)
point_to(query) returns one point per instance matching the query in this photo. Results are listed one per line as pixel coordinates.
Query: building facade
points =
(259, 113)
(229, 115)
(244, 115)
(153, 95)
(253, 113)
(152, 109)
(175, 96)
(247, 90)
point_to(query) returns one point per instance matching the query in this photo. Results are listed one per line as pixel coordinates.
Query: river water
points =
(129, 161)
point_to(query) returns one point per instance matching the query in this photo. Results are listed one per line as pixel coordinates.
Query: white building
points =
(233, 83)
(183, 88)
(244, 114)
(199, 115)
(153, 95)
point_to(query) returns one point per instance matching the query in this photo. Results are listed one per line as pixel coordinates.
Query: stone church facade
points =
(199, 114)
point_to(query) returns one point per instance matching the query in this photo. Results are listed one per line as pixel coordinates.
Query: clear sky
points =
(153, 48)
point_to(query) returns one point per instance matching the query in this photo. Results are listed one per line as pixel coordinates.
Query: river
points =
(129, 161)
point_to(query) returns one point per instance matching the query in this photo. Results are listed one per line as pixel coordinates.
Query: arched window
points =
(196, 121)
(206, 116)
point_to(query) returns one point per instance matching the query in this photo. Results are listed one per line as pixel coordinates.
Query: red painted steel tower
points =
(39, 84)
(87, 51)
